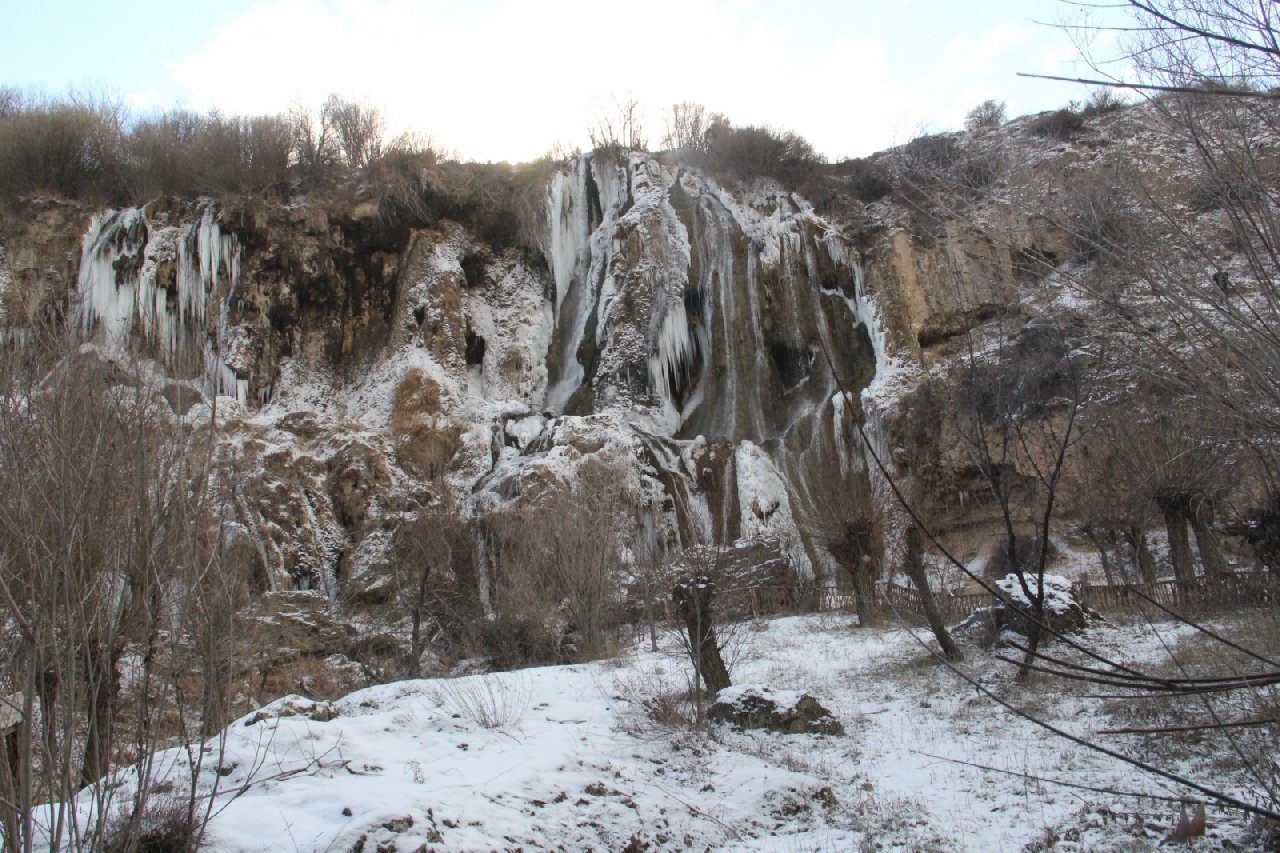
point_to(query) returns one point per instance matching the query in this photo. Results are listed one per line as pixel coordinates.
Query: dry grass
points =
(489, 701)
(425, 443)
(416, 395)
(427, 449)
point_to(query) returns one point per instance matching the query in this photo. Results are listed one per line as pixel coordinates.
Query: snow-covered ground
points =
(589, 757)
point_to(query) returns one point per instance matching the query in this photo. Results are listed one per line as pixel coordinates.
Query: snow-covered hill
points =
(601, 756)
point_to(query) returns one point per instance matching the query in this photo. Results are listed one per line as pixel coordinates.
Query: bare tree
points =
(620, 127)
(988, 114)
(695, 596)
(423, 550)
(313, 139)
(102, 505)
(1016, 411)
(559, 553)
(687, 126)
(913, 566)
(357, 129)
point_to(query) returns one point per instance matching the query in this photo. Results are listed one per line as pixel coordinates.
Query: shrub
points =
(928, 166)
(355, 127)
(1059, 124)
(166, 824)
(687, 127)
(11, 100)
(619, 128)
(516, 640)
(988, 114)
(760, 152)
(1027, 553)
(504, 204)
(397, 181)
(930, 153)
(1103, 101)
(489, 701)
(1100, 214)
(427, 449)
(866, 179)
(184, 153)
(416, 395)
(71, 148)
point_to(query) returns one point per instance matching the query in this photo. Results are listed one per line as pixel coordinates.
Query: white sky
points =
(507, 79)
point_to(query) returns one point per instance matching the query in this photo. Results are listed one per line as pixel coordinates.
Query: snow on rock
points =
(1056, 590)
(524, 430)
(755, 706)
(1062, 613)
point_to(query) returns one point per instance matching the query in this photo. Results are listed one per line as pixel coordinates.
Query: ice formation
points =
(157, 287)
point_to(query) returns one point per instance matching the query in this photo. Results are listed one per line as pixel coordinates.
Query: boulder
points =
(785, 711)
(1062, 613)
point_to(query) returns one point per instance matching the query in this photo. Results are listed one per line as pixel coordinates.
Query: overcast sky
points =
(507, 79)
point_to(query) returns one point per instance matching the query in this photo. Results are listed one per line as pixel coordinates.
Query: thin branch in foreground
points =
(1031, 777)
(1221, 797)
(1152, 87)
(1196, 728)
(1247, 680)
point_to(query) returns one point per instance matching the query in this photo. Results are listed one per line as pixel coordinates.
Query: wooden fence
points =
(755, 601)
(955, 608)
(1239, 588)
(1235, 589)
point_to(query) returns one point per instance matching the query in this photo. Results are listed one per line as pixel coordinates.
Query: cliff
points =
(686, 334)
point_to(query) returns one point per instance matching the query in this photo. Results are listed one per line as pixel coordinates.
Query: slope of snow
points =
(571, 757)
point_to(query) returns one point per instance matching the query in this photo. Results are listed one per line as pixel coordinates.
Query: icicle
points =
(120, 297)
(672, 359)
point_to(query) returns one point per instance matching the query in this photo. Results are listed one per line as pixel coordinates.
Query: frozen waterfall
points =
(163, 290)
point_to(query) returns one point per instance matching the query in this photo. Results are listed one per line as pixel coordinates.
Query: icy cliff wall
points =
(712, 321)
(679, 331)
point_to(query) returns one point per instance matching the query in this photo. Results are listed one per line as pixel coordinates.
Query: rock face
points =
(714, 322)
(688, 335)
(678, 334)
(785, 711)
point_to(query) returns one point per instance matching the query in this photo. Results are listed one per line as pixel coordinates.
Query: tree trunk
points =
(914, 569)
(1207, 541)
(694, 596)
(1143, 562)
(1175, 521)
(102, 680)
(864, 592)
(1102, 553)
(414, 668)
(853, 551)
(649, 616)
